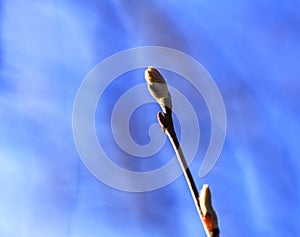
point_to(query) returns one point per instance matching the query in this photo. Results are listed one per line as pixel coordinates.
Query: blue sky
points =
(250, 48)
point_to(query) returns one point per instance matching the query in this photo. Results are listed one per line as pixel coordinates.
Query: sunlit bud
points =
(158, 88)
(208, 213)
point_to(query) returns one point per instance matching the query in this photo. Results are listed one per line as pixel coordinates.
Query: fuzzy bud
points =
(209, 215)
(158, 88)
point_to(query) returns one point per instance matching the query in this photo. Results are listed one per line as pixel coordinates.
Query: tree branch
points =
(158, 88)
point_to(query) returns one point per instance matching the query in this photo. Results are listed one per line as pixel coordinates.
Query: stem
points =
(170, 132)
(210, 223)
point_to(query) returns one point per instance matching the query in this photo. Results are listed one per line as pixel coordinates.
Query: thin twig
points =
(167, 125)
(159, 90)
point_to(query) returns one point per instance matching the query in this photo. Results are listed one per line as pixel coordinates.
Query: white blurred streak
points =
(45, 50)
(14, 183)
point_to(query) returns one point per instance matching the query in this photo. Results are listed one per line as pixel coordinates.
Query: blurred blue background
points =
(251, 49)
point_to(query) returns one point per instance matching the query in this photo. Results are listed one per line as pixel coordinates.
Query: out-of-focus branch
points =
(158, 88)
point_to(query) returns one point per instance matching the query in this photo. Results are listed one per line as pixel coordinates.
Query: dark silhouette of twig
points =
(158, 88)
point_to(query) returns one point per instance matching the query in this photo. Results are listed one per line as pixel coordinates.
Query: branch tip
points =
(158, 88)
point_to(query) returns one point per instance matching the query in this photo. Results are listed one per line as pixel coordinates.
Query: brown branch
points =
(159, 90)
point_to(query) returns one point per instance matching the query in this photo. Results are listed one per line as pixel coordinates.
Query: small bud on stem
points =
(158, 88)
(209, 216)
